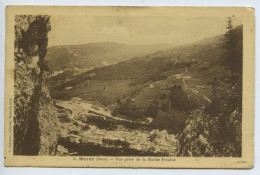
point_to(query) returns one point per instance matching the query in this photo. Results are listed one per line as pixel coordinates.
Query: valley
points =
(137, 106)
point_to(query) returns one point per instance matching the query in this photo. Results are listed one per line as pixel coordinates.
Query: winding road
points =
(87, 108)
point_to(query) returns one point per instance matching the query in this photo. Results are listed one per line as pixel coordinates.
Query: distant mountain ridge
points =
(92, 55)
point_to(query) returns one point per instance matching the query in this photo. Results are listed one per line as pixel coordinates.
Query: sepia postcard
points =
(137, 87)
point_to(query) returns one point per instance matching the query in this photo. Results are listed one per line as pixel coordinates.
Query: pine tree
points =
(229, 47)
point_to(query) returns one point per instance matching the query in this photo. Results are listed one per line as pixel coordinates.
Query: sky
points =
(72, 30)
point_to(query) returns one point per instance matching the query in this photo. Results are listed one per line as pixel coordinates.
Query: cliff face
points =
(35, 124)
(206, 136)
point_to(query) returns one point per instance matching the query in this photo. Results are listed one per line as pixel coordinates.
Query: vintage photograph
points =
(127, 85)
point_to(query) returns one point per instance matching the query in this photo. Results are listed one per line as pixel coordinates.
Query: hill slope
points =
(92, 55)
(68, 61)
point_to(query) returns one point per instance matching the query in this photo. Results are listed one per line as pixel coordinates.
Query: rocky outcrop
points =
(35, 124)
(194, 139)
(214, 131)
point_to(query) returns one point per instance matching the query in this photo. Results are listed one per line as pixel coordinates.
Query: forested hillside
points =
(216, 130)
